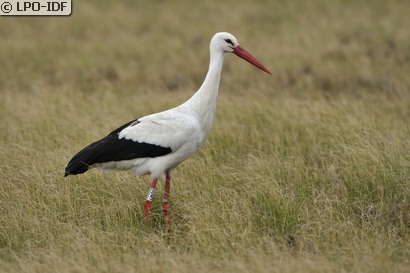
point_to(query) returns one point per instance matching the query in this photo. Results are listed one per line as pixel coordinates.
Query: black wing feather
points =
(111, 148)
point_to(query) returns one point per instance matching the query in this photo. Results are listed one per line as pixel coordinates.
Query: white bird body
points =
(157, 143)
(173, 129)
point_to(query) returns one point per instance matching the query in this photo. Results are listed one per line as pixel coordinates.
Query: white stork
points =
(157, 143)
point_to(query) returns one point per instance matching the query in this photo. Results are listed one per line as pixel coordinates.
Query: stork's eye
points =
(229, 41)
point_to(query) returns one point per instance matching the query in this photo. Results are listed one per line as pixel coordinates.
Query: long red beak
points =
(242, 53)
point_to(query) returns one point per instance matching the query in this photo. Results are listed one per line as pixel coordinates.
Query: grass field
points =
(307, 170)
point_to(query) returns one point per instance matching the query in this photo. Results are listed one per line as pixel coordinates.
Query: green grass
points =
(307, 170)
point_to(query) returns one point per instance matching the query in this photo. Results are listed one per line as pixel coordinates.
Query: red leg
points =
(148, 200)
(166, 208)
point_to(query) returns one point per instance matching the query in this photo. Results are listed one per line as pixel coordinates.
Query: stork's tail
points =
(75, 167)
(82, 161)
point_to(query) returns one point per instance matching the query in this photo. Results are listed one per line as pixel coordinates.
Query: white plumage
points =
(157, 143)
(173, 129)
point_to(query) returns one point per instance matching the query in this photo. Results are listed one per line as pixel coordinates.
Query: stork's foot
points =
(166, 208)
(147, 209)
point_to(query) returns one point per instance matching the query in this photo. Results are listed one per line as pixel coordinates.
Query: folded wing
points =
(147, 137)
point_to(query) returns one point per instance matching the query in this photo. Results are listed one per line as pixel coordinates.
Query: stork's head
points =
(227, 43)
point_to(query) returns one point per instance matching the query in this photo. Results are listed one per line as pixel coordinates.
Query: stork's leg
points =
(148, 200)
(165, 204)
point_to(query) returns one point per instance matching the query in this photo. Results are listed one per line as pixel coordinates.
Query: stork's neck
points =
(203, 102)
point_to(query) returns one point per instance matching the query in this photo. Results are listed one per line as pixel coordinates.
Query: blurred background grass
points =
(306, 170)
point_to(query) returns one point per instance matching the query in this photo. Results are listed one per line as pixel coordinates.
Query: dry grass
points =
(307, 170)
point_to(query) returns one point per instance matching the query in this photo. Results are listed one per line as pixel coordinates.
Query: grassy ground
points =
(307, 170)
